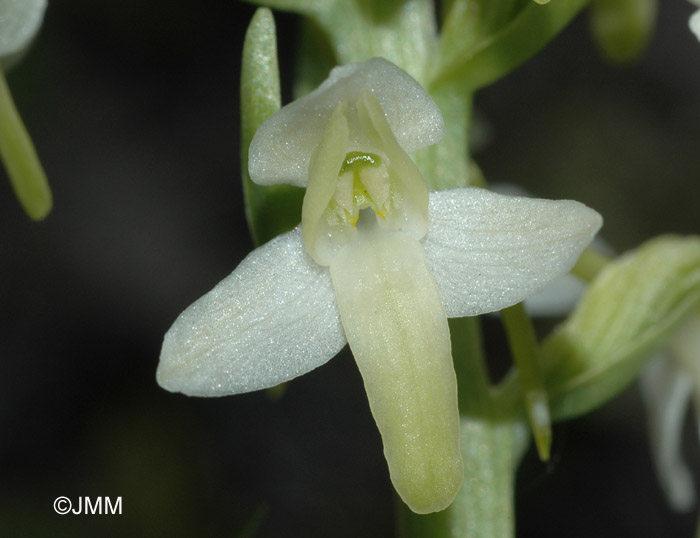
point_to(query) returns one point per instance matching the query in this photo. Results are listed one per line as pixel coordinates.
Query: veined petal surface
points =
(489, 251)
(397, 329)
(282, 146)
(274, 318)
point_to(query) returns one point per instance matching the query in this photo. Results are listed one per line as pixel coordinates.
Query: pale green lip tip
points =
(427, 500)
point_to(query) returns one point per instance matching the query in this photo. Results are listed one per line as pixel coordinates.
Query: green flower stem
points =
(492, 445)
(472, 375)
(21, 161)
(523, 347)
(589, 265)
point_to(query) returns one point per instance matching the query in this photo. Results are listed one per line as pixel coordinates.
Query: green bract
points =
(273, 210)
(630, 310)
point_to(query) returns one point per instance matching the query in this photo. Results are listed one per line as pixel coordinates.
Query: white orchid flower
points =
(378, 262)
(668, 383)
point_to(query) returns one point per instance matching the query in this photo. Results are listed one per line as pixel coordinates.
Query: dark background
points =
(133, 107)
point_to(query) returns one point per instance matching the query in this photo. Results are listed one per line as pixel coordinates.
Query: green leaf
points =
(21, 161)
(622, 28)
(629, 312)
(275, 209)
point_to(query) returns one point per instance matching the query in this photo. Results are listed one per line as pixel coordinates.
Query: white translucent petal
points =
(19, 22)
(666, 391)
(272, 319)
(488, 251)
(282, 146)
(561, 295)
(397, 330)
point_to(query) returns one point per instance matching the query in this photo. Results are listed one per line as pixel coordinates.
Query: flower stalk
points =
(523, 346)
(27, 176)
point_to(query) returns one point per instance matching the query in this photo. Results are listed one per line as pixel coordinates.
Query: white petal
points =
(272, 319)
(561, 295)
(19, 22)
(282, 146)
(488, 251)
(398, 333)
(666, 391)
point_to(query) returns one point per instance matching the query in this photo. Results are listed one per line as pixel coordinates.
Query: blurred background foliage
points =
(133, 107)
